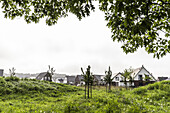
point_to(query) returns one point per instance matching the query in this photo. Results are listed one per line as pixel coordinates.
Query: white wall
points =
(120, 78)
(142, 72)
(128, 84)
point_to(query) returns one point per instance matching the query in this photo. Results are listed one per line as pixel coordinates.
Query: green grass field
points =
(33, 96)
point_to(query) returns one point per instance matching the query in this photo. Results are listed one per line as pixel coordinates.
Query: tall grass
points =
(14, 85)
(48, 97)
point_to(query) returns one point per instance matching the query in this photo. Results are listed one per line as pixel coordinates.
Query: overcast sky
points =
(68, 46)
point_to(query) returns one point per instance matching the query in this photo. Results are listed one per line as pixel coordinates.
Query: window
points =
(117, 78)
(140, 77)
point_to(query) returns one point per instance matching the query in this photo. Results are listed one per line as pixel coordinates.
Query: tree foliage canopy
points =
(135, 23)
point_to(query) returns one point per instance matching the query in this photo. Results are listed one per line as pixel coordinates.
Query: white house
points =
(117, 77)
(140, 77)
(59, 78)
(1, 72)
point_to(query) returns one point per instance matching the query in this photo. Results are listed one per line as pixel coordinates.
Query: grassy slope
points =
(32, 95)
(38, 96)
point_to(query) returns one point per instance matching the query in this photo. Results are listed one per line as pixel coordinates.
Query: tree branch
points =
(160, 5)
(164, 2)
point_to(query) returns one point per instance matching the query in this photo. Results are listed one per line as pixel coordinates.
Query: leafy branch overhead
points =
(138, 23)
(52, 10)
(135, 23)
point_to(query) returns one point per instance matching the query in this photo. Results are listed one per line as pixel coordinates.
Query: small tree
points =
(127, 75)
(147, 79)
(131, 77)
(108, 79)
(84, 79)
(130, 80)
(91, 82)
(12, 71)
(88, 79)
(51, 71)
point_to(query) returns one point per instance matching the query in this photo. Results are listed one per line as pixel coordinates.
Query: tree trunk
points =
(109, 86)
(125, 83)
(85, 90)
(106, 88)
(88, 89)
(91, 90)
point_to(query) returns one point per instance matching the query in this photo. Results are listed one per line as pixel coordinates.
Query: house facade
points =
(162, 78)
(59, 78)
(70, 80)
(1, 72)
(98, 79)
(117, 78)
(141, 76)
(79, 80)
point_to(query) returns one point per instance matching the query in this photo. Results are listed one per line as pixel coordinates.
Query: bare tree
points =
(51, 71)
(88, 79)
(12, 71)
(108, 78)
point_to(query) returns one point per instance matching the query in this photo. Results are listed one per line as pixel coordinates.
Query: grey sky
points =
(68, 46)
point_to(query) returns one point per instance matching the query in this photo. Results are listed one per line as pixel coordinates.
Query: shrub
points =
(163, 85)
(71, 108)
(153, 86)
(113, 106)
(165, 82)
(12, 78)
(8, 91)
(19, 90)
(140, 90)
(2, 82)
(4, 90)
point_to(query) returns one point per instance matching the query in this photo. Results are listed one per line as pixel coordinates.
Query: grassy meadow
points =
(34, 96)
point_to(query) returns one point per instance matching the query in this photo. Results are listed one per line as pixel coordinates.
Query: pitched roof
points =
(162, 78)
(80, 77)
(98, 77)
(71, 78)
(41, 75)
(116, 74)
(136, 71)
